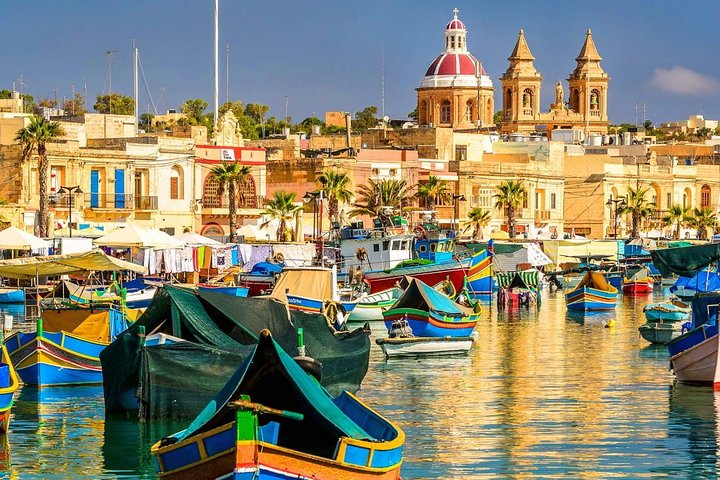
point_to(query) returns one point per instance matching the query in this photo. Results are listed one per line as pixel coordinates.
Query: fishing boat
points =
(518, 288)
(672, 310)
(429, 313)
(706, 280)
(480, 273)
(370, 307)
(12, 295)
(272, 420)
(232, 290)
(661, 332)
(261, 278)
(8, 385)
(592, 293)
(65, 348)
(637, 279)
(424, 346)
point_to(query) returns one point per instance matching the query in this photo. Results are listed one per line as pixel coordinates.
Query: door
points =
(119, 188)
(94, 188)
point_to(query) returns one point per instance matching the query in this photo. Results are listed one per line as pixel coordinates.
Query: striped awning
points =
(529, 278)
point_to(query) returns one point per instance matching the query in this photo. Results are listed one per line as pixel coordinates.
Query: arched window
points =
(212, 229)
(422, 114)
(575, 100)
(528, 100)
(452, 41)
(705, 195)
(655, 194)
(247, 194)
(445, 111)
(211, 197)
(595, 99)
(508, 99)
(687, 198)
(469, 111)
(177, 183)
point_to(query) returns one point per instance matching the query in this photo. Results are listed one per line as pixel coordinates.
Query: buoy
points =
(610, 323)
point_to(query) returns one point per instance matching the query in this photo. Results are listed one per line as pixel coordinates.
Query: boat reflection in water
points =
(592, 317)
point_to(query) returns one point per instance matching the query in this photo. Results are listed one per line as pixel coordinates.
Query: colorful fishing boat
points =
(424, 346)
(429, 313)
(637, 279)
(12, 295)
(65, 349)
(592, 293)
(233, 291)
(274, 421)
(659, 333)
(8, 385)
(480, 273)
(672, 310)
(370, 307)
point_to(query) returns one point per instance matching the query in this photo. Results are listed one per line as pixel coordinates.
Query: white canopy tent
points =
(15, 239)
(136, 236)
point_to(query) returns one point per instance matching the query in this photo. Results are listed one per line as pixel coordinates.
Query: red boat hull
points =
(256, 284)
(637, 287)
(430, 274)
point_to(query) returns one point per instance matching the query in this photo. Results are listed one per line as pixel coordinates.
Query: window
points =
(423, 248)
(176, 183)
(376, 247)
(445, 111)
(460, 152)
(485, 197)
(525, 200)
(469, 111)
(385, 245)
(528, 98)
(595, 100)
(211, 199)
(433, 246)
(669, 200)
(553, 201)
(452, 41)
(396, 245)
(537, 201)
(174, 188)
(705, 196)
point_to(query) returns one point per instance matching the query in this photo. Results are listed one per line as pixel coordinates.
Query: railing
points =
(122, 201)
(246, 201)
(145, 202)
(541, 215)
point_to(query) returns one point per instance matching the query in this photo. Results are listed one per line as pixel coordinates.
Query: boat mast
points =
(135, 84)
(216, 77)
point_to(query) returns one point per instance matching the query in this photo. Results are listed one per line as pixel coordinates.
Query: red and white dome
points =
(456, 66)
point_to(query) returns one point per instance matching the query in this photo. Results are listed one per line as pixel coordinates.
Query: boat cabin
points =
(374, 250)
(436, 250)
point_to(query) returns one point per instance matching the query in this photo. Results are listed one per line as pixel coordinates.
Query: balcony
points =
(246, 201)
(542, 215)
(108, 201)
(145, 202)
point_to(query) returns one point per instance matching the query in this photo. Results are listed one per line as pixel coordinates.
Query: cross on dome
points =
(455, 11)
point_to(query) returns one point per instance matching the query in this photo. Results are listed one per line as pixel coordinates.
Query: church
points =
(456, 91)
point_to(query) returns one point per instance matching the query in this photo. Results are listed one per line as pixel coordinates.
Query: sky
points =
(326, 55)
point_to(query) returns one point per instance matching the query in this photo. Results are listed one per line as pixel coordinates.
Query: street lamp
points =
(456, 199)
(70, 191)
(613, 203)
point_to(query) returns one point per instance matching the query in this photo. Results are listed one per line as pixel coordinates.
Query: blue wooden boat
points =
(669, 311)
(8, 385)
(592, 293)
(231, 290)
(272, 420)
(480, 273)
(65, 348)
(12, 295)
(429, 313)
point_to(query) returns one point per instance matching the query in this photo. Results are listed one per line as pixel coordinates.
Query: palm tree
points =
(334, 185)
(510, 196)
(701, 219)
(281, 207)
(376, 194)
(231, 176)
(676, 215)
(477, 219)
(637, 207)
(36, 134)
(432, 190)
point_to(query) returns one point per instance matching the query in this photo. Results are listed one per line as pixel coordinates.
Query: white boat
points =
(699, 363)
(370, 307)
(424, 346)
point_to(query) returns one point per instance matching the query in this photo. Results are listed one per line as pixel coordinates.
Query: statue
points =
(559, 94)
(227, 132)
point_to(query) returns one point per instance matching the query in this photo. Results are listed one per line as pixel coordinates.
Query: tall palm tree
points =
(35, 135)
(432, 190)
(335, 187)
(281, 207)
(376, 194)
(231, 176)
(638, 207)
(677, 215)
(478, 218)
(702, 219)
(510, 197)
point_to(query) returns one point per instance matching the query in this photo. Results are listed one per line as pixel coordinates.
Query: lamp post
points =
(70, 191)
(613, 204)
(456, 199)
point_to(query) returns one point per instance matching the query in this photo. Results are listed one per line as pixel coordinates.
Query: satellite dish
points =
(386, 119)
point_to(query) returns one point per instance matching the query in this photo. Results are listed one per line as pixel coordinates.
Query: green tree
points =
(510, 196)
(281, 207)
(375, 195)
(498, 117)
(478, 218)
(75, 105)
(702, 133)
(335, 187)
(145, 121)
(36, 134)
(116, 104)
(232, 177)
(435, 189)
(701, 220)
(637, 207)
(366, 118)
(46, 102)
(193, 109)
(413, 115)
(677, 215)
(256, 112)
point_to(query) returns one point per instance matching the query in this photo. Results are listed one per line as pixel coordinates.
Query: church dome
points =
(456, 66)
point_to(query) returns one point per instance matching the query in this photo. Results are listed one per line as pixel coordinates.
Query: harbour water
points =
(541, 394)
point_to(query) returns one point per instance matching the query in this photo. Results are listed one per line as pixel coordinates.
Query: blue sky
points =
(325, 55)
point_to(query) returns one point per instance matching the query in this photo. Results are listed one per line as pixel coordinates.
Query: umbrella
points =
(191, 238)
(15, 239)
(137, 236)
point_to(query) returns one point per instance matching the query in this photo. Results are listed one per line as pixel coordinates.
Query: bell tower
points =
(521, 87)
(588, 85)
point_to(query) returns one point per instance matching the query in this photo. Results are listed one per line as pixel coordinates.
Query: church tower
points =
(588, 85)
(456, 91)
(521, 89)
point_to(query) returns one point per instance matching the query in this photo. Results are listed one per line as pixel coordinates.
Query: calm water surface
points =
(544, 394)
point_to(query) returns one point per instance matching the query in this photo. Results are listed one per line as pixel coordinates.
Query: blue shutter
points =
(119, 188)
(94, 188)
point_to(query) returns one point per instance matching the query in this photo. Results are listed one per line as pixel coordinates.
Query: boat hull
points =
(370, 308)
(12, 296)
(637, 287)
(430, 274)
(423, 346)
(585, 298)
(427, 324)
(659, 333)
(664, 312)
(699, 363)
(313, 305)
(55, 359)
(256, 284)
(232, 291)
(8, 385)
